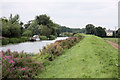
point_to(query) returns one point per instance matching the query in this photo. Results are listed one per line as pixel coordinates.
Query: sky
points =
(70, 13)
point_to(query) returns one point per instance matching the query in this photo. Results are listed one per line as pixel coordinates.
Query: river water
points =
(30, 47)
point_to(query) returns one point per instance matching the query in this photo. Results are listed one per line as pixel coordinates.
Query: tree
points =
(117, 33)
(100, 31)
(90, 29)
(11, 27)
(44, 30)
(43, 20)
(34, 28)
(27, 33)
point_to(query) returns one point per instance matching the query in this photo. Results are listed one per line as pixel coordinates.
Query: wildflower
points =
(22, 69)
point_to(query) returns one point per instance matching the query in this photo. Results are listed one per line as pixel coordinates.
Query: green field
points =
(92, 57)
(115, 40)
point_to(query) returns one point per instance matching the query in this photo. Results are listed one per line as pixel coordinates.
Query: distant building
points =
(109, 32)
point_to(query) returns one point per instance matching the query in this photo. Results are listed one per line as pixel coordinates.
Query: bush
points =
(78, 35)
(55, 49)
(24, 39)
(5, 41)
(14, 40)
(52, 37)
(19, 65)
(52, 49)
(43, 38)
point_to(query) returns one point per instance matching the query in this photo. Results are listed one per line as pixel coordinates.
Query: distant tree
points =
(83, 30)
(44, 30)
(100, 31)
(117, 33)
(90, 29)
(14, 19)
(34, 28)
(43, 20)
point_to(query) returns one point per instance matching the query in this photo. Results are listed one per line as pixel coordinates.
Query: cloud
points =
(72, 13)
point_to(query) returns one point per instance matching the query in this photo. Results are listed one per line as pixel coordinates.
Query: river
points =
(30, 47)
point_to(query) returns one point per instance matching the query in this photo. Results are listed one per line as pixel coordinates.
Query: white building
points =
(109, 32)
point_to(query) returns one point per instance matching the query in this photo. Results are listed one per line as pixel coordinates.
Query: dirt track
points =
(114, 45)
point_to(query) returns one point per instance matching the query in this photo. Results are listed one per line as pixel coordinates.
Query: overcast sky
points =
(70, 13)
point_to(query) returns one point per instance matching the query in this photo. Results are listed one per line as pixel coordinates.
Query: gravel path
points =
(114, 45)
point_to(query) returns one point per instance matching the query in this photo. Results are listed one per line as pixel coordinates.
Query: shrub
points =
(14, 40)
(52, 49)
(43, 38)
(55, 49)
(24, 39)
(78, 35)
(68, 43)
(52, 37)
(19, 65)
(5, 41)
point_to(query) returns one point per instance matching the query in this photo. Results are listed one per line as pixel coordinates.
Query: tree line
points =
(42, 25)
(98, 31)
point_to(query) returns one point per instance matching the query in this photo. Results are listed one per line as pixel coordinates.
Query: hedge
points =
(43, 38)
(6, 41)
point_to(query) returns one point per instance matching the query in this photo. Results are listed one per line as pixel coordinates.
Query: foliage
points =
(98, 31)
(90, 29)
(27, 33)
(6, 41)
(70, 30)
(43, 38)
(79, 35)
(13, 40)
(43, 20)
(19, 65)
(34, 28)
(52, 37)
(44, 30)
(11, 27)
(116, 33)
(57, 48)
(67, 34)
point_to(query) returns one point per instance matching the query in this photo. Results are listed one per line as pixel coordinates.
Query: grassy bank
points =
(92, 57)
(23, 65)
(115, 40)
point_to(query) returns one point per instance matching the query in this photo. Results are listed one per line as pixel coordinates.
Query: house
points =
(109, 32)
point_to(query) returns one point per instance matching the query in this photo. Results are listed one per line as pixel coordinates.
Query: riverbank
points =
(6, 41)
(30, 47)
(14, 63)
(92, 57)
